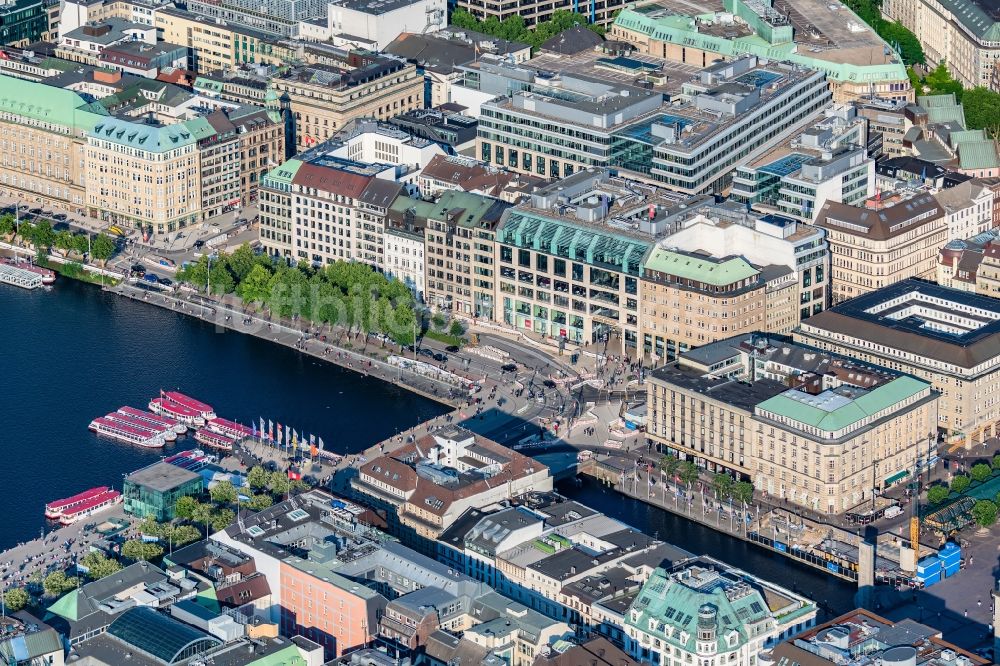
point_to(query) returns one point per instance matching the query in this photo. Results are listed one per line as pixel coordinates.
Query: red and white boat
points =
(94, 505)
(204, 410)
(55, 509)
(214, 440)
(48, 276)
(123, 432)
(180, 413)
(154, 419)
(229, 429)
(163, 431)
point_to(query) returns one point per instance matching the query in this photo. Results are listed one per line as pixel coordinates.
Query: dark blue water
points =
(834, 596)
(73, 353)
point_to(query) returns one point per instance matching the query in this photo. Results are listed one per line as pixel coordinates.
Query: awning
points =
(896, 477)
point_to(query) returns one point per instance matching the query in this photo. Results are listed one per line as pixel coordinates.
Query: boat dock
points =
(19, 277)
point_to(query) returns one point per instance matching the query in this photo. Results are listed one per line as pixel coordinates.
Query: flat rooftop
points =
(162, 476)
(619, 70)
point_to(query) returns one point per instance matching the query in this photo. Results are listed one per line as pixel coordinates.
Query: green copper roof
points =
(475, 208)
(284, 173)
(701, 269)
(208, 600)
(664, 602)
(832, 415)
(975, 18)
(66, 606)
(978, 155)
(287, 656)
(682, 30)
(46, 103)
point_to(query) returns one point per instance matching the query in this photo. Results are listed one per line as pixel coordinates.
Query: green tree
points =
(242, 261)
(464, 19)
(99, 566)
(102, 247)
(259, 502)
(223, 492)
(980, 472)
(81, 244)
(222, 519)
(903, 41)
(723, 485)
(202, 516)
(185, 507)
(7, 225)
(221, 279)
(438, 321)
(195, 273)
(15, 599)
(688, 472)
(181, 535)
(984, 512)
(982, 109)
(669, 465)
(996, 461)
(136, 549)
(255, 286)
(743, 492)
(64, 242)
(939, 81)
(258, 477)
(960, 483)
(456, 329)
(43, 236)
(915, 81)
(938, 493)
(57, 583)
(278, 482)
(25, 231)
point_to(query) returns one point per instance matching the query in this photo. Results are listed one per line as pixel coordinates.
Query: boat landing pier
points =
(19, 277)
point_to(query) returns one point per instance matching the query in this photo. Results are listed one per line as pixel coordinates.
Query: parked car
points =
(138, 269)
(508, 367)
(166, 282)
(441, 358)
(451, 349)
(152, 278)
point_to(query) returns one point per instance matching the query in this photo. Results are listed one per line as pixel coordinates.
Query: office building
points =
(946, 337)
(374, 24)
(716, 278)
(962, 33)
(704, 610)
(860, 636)
(278, 18)
(811, 427)
(153, 491)
(27, 640)
(571, 259)
(215, 45)
(827, 162)
(810, 34)
(535, 12)
(888, 238)
(403, 253)
(23, 22)
(454, 130)
(455, 172)
(967, 208)
(428, 484)
(972, 264)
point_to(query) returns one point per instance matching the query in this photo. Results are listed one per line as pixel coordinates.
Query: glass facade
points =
(143, 501)
(160, 636)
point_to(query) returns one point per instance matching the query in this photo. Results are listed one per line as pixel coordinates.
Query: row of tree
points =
(723, 485)
(893, 32)
(43, 238)
(979, 473)
(513, 28)
(346, 294)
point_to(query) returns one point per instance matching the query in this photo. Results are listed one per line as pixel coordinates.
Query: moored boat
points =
(101, 502)
(123, 432)
(48, 276)
(214, 440)
(163, 431)
(204, 410)
(177, 412)
(143, 415)
(229, 428)
(55, 509)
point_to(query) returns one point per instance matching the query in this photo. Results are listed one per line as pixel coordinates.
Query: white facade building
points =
(372, 142)
(404, 258)
(968, 209)
(378, 22)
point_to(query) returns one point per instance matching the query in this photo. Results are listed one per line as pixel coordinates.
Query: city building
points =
(829, 161)
(946, 337)
(962, 33)
(428, 484)
(439, 55)
(571, 259)
(454, 130)
(596, 652)
(888, 120)
(23, 22)
(26, 640)
(403, 254)
(372, 141)
(860, 636)
(512, 632)
(153, 491)
(555, 124)
(456, 172)
(888, 238)
(86, 43)
(214, 46)
(459, 264)
(535, 12)
(939, 134)
(716, 278)
(811, 34)
(323, 98)
(374, 24)
(321, 208)
(277, 18)
(972, 264)
(703, 610)
(811, 427)
(967, 207)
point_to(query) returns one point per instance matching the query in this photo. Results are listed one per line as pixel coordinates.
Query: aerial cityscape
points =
(537, 333)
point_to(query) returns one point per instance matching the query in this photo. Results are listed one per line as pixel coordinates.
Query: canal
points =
(834, 595)
(73, 353)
